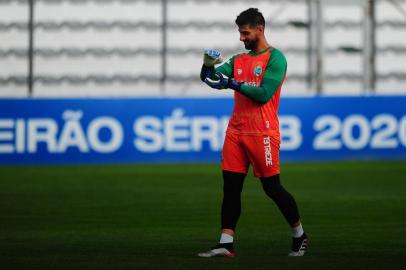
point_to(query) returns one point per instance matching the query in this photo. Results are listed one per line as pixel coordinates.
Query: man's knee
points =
(272, 185)
(233, 182)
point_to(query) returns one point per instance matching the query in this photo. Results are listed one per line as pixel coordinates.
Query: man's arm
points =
(227, 68)
(273, 77)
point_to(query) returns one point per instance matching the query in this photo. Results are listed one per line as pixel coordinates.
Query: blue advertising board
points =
(178, 130)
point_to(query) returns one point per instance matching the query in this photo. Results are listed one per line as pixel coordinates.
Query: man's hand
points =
(220, 81)
(211, 58)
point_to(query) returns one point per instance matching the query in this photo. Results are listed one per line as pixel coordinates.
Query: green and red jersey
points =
(257, 101)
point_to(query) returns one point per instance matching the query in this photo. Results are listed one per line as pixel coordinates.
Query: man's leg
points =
(230, 213)
(231, 206)
(234, 164)
(288, 207)
(283, 199)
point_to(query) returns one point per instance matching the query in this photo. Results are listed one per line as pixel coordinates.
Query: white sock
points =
(226, 238)
(297, 231)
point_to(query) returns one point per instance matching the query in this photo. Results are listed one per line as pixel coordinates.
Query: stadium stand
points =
(113, 47)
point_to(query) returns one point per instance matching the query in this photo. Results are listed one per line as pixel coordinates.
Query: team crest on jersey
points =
(257, 70)
(239, 71)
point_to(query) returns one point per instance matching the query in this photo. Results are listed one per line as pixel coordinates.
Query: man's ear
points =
(261, 28)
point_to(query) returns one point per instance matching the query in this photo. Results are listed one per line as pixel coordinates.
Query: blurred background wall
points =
(154, 47)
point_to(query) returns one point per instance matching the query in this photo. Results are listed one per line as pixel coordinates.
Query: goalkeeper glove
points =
(211, 58)
(220, 81)
(206, 72)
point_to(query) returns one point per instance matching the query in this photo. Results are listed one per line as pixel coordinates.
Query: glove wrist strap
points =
(233, 84)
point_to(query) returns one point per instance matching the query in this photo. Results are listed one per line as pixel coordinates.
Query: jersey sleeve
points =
(228, 67)
(274, 73)
(276, 68)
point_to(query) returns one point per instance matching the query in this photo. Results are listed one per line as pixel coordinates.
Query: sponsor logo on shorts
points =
(267, 150)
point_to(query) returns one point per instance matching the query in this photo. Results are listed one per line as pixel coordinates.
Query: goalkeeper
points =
(252, 135)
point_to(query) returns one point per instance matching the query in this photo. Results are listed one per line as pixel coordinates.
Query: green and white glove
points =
(211, 58)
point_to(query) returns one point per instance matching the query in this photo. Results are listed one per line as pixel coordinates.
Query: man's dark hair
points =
(251, 17)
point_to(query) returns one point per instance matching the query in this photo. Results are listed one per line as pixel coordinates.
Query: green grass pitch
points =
(160, 217)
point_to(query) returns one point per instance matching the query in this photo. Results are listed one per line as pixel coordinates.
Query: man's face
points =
(249, 35)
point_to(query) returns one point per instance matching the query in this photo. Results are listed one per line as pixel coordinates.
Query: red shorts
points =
(262, 152)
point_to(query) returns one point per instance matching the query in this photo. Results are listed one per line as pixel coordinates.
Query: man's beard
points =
(250, 45)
